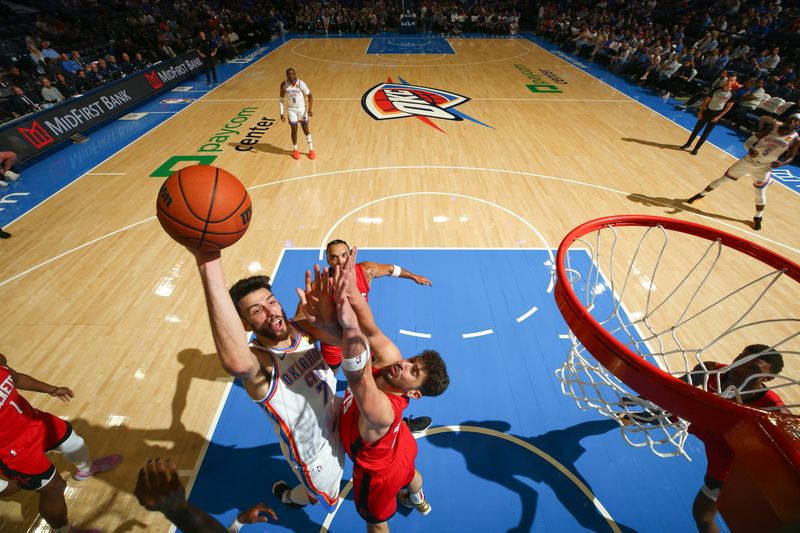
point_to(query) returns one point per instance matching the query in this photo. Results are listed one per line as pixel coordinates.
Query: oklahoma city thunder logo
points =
(401, 100)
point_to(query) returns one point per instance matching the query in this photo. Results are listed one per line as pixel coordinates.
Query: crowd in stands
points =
(57, 49)
(685, 50)
(447, 18)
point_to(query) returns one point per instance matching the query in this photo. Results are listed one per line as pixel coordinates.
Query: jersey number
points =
(322, 387)
(12, 402)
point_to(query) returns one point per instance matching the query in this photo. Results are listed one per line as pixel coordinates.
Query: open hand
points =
(256, 514)
(64, 394)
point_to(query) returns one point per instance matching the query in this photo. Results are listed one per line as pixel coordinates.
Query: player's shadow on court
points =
(233, 477)
(267, 148)
(676, 205)
(504, 463)
(652, 143)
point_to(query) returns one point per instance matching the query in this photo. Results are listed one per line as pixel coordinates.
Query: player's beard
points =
(266, 330)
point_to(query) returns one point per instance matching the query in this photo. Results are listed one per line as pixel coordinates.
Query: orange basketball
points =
(204, 207)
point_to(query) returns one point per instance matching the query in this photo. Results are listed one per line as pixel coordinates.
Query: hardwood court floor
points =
(122, 320)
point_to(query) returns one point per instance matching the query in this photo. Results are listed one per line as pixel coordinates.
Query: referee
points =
(208, 52)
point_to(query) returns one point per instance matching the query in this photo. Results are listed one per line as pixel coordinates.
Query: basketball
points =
(204, 208)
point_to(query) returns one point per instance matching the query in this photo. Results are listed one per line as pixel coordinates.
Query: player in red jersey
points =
(336, 253)
(749, 380)
(26, 434)
(371, 426)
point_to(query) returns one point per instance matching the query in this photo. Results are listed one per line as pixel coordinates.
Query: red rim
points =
(716, 414)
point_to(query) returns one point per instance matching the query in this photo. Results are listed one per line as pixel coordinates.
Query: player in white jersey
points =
(774, 146)
(283, 371)
(294, 93)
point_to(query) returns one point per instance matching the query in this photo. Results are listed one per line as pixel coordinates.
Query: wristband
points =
(235, 527)
(354, 364)
(3, 484)
(396, 271)
(280, 104)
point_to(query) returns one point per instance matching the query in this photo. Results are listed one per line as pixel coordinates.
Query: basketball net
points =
(668, 297)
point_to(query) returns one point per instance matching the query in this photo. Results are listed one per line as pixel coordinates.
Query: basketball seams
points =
(181, 219)
(210, 206)
(185, 199)
(184, 225)
(234, 212)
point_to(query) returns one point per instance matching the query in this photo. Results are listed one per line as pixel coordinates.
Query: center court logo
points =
(392, 100)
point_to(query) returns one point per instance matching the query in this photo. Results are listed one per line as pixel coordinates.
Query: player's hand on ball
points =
(205, 256)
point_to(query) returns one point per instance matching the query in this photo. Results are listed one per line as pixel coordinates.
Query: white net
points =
(707, 314)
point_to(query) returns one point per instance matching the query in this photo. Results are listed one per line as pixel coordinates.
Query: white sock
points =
(76, 452)
(310, 144)
(416, 497)
(297, 495)
(295, 147)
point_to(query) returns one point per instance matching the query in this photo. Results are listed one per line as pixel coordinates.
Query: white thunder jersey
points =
(304, 409)
(295, 96)
(772, 146)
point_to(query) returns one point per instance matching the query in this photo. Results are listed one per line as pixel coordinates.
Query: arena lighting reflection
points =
(370, 220)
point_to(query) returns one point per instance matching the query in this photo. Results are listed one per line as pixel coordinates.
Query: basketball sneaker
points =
(281, 488)
(311, 154)
(3, 183)
(4, 234)
(757, 223)
(11, 176)
(418, 425)
(405, 500)
(694, 198)
(296, 154)
(104, 464)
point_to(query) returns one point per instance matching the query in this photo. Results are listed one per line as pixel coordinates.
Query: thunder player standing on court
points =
(284, 373)
(764, 153)
(293, 92)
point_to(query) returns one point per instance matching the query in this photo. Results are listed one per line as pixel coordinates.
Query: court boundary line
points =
(137, 139)
(579, 69)
(749, 234)
(215, 421)
(517, 41)
(479, 99)
(599, 507)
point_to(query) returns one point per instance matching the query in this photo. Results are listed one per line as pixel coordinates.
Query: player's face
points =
(337, 254)
(291, 76)
(405, 375)
(264, 315)
(740, 375)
